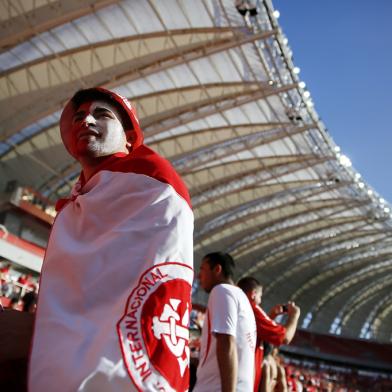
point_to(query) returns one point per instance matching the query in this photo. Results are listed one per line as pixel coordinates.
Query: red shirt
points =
(267, 330)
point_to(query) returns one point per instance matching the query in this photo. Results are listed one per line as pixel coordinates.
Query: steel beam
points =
(44, 102)
(22, 27)
(383, 262)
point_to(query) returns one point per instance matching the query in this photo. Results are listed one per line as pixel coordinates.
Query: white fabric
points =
(228, 312)
(118, 227)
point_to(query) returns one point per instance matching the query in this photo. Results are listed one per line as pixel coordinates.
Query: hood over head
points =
(128, 112)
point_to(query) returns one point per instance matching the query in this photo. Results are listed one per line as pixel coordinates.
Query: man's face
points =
(96, 131)
(207, 276)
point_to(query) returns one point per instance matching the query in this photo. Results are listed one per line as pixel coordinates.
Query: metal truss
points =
(255, 262)
(265, 203)
(310, 260)
(47, 100)
(358, 269)
(26, 24)
(276, 231)
(359, 299)
(380, 326)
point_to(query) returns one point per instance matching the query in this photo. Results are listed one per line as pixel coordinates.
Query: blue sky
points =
(344, 51)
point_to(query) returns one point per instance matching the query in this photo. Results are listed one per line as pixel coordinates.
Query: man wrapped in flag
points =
(114, 299)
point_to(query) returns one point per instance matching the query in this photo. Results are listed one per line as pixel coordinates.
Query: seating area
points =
(18, 288)
(322, 363)
(354, 350)
(311, 376)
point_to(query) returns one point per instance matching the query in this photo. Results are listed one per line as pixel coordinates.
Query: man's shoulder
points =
(144, 160)
(260, 312)
(225, 289)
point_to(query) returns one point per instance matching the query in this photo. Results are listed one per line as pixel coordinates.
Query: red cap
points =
(127, 108)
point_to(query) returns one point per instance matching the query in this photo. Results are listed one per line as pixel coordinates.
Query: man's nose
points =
(88, 120)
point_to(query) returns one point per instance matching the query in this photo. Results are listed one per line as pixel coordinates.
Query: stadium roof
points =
(218, 94)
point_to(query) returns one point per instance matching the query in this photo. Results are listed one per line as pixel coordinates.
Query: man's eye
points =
(77, 118)
(105, 114)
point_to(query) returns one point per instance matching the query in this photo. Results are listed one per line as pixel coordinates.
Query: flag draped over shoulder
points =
(114, 299)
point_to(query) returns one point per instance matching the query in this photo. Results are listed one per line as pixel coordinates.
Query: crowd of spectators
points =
(18, 291)
(304, 375)
(312, 376)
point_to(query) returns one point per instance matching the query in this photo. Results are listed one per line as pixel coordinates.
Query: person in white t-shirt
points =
(229, 332)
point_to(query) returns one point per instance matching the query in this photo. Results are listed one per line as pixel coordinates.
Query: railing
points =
(22, 244)
(34, 203)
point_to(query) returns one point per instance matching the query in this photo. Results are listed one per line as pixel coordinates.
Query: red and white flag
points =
(115, 289)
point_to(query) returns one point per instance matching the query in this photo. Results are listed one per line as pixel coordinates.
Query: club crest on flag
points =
(154, 331)
(176, 336)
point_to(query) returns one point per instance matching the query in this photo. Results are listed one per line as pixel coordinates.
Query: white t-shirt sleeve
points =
(223, 311)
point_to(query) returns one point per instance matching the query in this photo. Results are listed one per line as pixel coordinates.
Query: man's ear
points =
(253, 294)
(218, 269)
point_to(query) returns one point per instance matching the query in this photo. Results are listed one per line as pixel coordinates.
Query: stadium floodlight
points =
(306, 94)
(370, 192)
(302, 84)
(361, 185)
(296, 70)
(344, 160)
(387, 210)
(276, 14)
(382, 201)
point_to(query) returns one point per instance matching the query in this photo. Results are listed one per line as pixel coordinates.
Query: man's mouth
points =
(86, 133)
